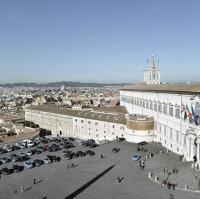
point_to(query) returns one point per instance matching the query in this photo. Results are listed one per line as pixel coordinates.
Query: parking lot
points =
(86, 177)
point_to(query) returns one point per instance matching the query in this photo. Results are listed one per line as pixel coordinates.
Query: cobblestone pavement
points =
(92, 178)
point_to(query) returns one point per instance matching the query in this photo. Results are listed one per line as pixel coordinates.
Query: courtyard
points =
(95, 177)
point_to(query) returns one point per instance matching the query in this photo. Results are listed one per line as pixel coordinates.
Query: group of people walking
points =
(169, 184)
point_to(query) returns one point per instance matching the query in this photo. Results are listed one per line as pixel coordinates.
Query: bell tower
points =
(152, 74)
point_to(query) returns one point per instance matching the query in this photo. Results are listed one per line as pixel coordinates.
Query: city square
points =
(96, 177)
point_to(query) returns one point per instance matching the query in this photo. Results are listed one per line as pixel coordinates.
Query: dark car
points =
(115, 150)
(93, 145)
(5, 160)
(91, 141)
(120, 139)
(6, 171)
(38, 152)
(54, 158)
(71, 138)
(81, 154)
(15, 148)
(38, 162)
(17, 168)
(69, 156)
(21, 158)
(2, 151)
(142, 143)
(90, 153)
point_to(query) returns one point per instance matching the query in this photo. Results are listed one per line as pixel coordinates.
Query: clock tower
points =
(152, 74)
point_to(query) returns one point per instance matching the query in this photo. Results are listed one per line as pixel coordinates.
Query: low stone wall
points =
(140, 125)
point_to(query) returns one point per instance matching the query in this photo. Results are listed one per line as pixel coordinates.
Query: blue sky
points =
(98, 40)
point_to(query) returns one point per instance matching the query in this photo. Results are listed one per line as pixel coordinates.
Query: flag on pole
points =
(187, 110)
(193, 112)
(185, 115)
(197, 122)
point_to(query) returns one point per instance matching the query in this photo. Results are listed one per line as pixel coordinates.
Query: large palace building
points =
(150, 111)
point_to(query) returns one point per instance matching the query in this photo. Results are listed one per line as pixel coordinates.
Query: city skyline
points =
(93, 41)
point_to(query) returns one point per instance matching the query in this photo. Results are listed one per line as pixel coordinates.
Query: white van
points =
(28, 143)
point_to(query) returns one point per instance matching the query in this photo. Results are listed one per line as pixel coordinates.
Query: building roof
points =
(115, 109)
(93, 115)
(164, 88)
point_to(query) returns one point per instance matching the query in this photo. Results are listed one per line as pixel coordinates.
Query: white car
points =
(29, 153)
(46, 160)
(28, 143)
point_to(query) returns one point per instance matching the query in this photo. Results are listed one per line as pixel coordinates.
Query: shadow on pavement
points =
(85, 186)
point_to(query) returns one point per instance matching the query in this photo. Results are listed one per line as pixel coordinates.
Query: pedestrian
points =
(72, 165)
(168, 185)
(34, 180)
(164, 170)
(173, 185)
(118, 179)
(22, 188)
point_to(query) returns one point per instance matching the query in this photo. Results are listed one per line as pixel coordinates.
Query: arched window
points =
(177, 112)
(151, 105)
(165, 109)
(155, 106)
(147, 105)
(171, 110)
(160, 107)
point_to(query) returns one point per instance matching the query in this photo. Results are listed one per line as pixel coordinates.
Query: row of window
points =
(96, 124)
(167, 109)
(162, 129)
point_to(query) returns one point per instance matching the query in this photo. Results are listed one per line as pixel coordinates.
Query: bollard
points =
(156, 178)
(150, 175)
(186, 187)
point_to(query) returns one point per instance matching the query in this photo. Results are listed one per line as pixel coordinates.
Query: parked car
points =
(5, 160)
(8, 148)
(90, 153)
(93, 145)
(2, 151)
(29, 164)
(136, 157)
(38, 162)
(15, 148)
(71, 138)
(120, 139)
(142, 143)
(21, 158)
(54, 158)
(68, 156)
(6, 171)
(115, 150)
(81, 153)
(29, 153)
(17, 168)
(46, 160)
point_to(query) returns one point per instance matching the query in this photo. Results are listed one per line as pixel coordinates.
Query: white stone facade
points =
(58, 124)
(67, 125)
(98, 130)
(172, 130)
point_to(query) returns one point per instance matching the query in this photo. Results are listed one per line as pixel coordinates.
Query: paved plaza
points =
(95, 177)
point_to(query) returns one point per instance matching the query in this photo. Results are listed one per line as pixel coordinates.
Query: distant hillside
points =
(59, 84)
